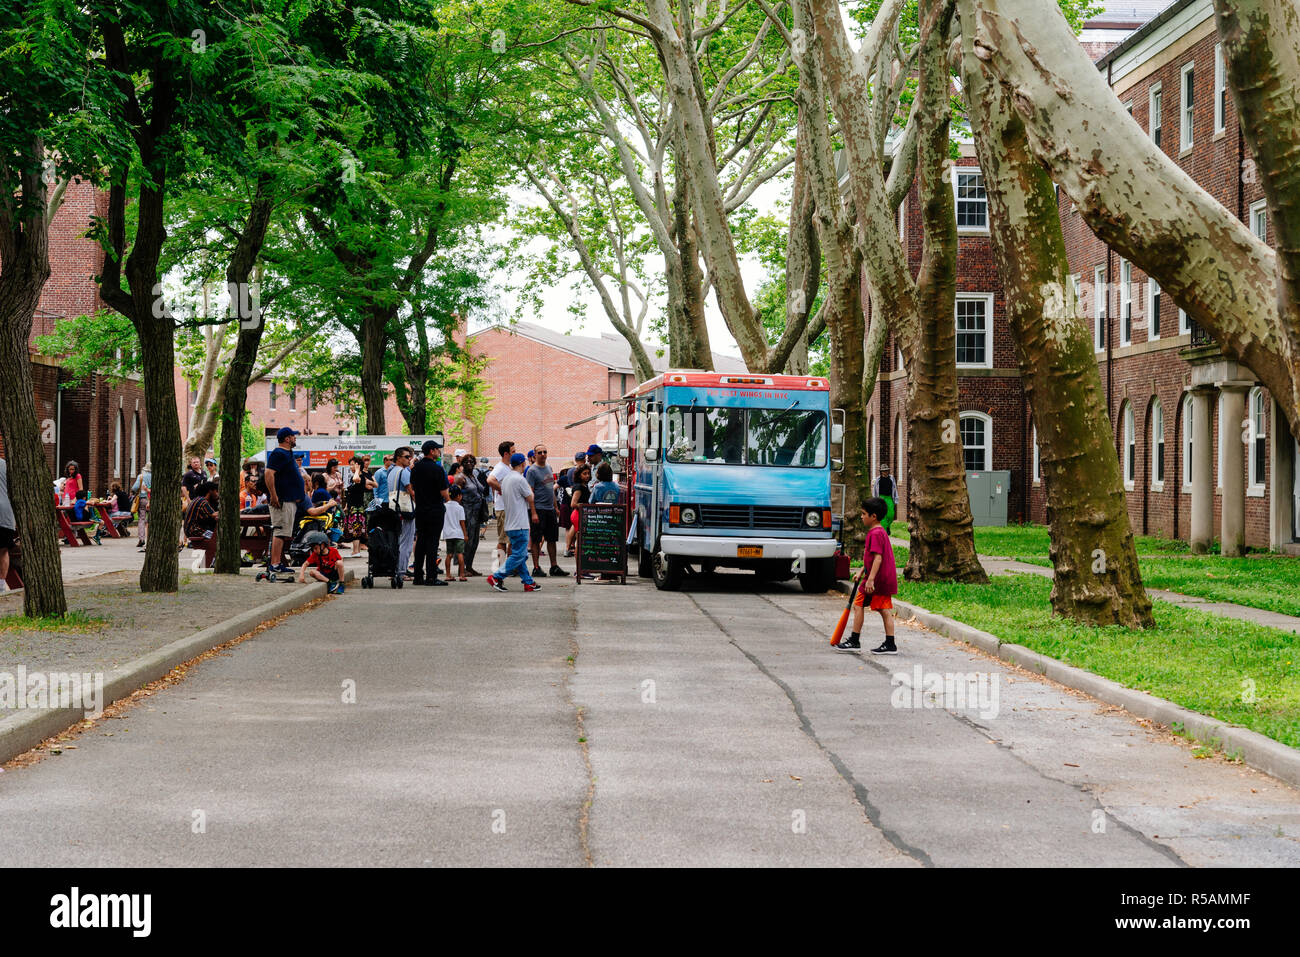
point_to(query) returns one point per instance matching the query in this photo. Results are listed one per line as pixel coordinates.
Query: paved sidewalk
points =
(1007, 566)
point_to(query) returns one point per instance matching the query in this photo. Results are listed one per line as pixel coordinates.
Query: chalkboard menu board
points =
(602, 541)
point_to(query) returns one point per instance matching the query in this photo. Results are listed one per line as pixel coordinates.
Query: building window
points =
(1157, 446)
(1259, 220)
(293, 398)
(1099, 308)
(1156, 112)
(1129, 107)
(1153, 309)
(1130, 448)
(976, 433)
(1125, 303)
(1188, 102)
(975, 331)
(1220, 90)
(1218, 465)
(272, 404)
(1258, 435)
(313, 396)
(972, 201)
(117, 448)
(1038, 475)
(901, 447)
(902, 220)
(1187, 444)
(1184, 322)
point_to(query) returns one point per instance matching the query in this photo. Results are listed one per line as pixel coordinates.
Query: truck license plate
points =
(749, 551)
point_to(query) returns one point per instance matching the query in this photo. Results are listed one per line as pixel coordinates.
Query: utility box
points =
(988, 493)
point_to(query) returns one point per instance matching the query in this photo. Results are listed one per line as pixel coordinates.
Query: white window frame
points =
(1099, 309)
(1258, 218)
(1153, 310)
(1128, 456)
(1186, 108)
(875, 444)
(1129, 107)
(902, 445)
(272, 396)
(1220, 90)
(957, 173)
(1218, 465)
(1184, 322)
(1259, 431)
(986, 447)
(1125, 303)
(987, 299)
(902, 220)
(117, 447)
(1157, 445)
(1188, 409)
(1038, 474)
(1156, 111)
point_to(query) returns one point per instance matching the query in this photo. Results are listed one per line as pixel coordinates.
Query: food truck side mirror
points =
(837, 465)
(651, 455)
(837, 433)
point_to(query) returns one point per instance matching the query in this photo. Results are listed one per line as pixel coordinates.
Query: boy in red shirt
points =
(878, 578)
(323, 563)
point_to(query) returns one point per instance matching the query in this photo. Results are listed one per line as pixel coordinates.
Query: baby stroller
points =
(382, 532)
(298, 548)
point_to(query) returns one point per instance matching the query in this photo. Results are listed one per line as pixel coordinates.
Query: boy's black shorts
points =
(547, 526)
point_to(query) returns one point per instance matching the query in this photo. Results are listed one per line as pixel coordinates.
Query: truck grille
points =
(768, 517)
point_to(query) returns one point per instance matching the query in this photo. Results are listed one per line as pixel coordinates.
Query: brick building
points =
(99, 424)
(1231, 473)
(539, 381)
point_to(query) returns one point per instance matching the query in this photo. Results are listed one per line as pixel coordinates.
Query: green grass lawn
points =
(1262, 580)
(1196, 659)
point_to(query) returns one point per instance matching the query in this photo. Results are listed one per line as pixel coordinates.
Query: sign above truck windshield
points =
(790, 437)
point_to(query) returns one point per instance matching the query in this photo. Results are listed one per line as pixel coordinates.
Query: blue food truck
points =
(734, 471)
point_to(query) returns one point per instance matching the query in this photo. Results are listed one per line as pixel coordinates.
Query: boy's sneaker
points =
(885, 648)
(496, 583)
(533, 587)
(848, 644)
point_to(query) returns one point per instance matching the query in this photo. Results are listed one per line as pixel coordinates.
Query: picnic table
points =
(254, 538)
(74, 532)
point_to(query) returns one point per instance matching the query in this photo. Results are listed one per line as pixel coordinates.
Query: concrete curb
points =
(1260, 752)
(23, 731)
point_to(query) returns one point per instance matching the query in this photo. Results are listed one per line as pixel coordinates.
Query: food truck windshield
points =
(732, 435)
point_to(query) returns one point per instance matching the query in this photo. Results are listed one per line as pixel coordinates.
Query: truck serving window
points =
(734, 436)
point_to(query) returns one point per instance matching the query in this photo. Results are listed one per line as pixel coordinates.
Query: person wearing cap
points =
(520, 513)
(285, 491)
(210, 466)
(498, 474)
(595, 455)
(429, 485)
(546, 526)
(579, 460)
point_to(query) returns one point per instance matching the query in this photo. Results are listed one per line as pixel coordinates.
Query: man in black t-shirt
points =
(429, 486)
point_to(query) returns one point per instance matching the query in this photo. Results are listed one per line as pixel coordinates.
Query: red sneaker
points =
(533, 587)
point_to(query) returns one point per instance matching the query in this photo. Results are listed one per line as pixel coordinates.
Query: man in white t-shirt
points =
(453, 531)
(520, 513)
(495, 477)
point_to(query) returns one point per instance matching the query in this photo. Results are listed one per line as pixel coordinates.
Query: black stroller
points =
(296, 553)
(383, 527)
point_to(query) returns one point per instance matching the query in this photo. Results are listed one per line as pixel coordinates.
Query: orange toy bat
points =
(844, 617)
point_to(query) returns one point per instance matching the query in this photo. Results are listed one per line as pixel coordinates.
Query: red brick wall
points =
(536, 390)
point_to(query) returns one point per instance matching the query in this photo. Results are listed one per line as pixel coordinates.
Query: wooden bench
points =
(254, 538)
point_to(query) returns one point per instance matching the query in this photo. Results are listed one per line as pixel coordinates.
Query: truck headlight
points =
(813, 518)
(688, 515)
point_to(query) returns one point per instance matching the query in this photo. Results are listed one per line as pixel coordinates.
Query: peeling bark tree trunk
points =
(234, 384)
(24, 269)
(373, 340)
(920, 311)
(803, 261)
(1138, 200)
(1097, 580)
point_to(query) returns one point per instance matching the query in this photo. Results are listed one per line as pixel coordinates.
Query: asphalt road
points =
(618, 725)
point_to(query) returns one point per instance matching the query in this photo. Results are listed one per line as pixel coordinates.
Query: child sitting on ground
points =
(878, 578)
(323, 564)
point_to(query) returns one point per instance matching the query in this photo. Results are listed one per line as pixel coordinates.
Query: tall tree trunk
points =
(373, 341)
(24, 269)
(235, 382)
(1097, 580)
(1137, 199)
(802, 265)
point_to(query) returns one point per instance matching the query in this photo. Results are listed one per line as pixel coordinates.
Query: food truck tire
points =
(668, 572)
(820, 576)
(645, 565)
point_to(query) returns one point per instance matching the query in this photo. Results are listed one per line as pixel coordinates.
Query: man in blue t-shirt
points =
(381, 484)
(284, 492)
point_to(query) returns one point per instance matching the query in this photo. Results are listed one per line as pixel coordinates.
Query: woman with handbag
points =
(354, 504)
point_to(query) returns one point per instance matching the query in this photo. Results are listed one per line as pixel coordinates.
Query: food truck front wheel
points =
(668, 571)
